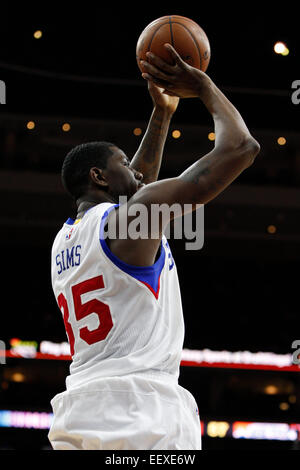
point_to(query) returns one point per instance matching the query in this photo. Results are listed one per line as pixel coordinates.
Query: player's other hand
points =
(161, 100)
(180, 79)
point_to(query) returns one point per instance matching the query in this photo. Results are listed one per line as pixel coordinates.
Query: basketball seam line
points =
(171, 31)
(154, 33)
(191, 34)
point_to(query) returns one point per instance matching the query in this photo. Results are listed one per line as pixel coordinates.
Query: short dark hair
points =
(79, 161)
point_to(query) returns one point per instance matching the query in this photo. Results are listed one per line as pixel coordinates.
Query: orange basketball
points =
(186, 36)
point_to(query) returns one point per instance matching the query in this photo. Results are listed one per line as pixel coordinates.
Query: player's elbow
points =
(248, 149)
(252, 149)
(242, 150)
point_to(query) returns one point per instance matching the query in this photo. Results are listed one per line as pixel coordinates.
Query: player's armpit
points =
(200, 183)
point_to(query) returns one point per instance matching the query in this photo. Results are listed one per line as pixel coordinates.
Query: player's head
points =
(99, 166)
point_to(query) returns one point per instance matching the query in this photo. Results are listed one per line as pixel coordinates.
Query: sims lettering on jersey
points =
(68, 258)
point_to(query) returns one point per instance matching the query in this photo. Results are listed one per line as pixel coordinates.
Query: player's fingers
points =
(160, 83)
(149, 68)
(174, 54)
(160, 63)
(166, 92)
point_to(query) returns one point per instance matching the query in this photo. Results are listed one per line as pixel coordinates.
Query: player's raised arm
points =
(147, 159)
(234, 151)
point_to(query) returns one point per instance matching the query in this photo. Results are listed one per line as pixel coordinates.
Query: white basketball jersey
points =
(120, 319)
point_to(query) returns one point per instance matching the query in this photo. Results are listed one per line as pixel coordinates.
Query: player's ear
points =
(96, 175)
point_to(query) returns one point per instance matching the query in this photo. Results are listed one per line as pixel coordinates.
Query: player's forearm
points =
(230, 128)
(235, 149)
(147, 159)
(214, 172)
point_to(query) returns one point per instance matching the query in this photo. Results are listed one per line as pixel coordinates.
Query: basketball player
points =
(120, 296)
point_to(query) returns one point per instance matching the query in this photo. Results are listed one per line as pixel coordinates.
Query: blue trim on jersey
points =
(72, 221)
(146, 274)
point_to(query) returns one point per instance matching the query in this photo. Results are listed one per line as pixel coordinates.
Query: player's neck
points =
(84, 203)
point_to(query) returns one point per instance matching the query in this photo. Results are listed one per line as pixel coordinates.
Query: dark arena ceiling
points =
(84, 64)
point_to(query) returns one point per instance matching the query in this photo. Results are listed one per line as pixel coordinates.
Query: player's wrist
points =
(205, 86)
(162, 112)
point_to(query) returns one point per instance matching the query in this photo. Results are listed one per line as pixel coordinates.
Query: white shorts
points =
(126, 413)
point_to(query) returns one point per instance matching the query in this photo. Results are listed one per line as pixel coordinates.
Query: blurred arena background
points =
(71, 77)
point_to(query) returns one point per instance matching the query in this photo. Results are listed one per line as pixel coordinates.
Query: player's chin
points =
(137, 187)
(134, 189)
(140, 186)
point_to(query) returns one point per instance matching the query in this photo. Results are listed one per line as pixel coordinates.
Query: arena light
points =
(284, 406)
(285, 52)
(30, 125)
(271, 390)
(271, 229)
(17, 377)
(66, 127)
(176, 134)
(281, 48)
(37, 34)
(211, 136)
(281, 141)
(217, 428)
(137, 131)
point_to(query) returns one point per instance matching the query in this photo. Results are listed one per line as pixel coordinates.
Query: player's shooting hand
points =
(161, 100)
(179, 79)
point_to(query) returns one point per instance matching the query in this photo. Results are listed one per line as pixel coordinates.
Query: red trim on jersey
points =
(156, 294)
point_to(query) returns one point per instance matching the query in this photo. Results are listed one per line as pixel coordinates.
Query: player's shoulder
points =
(92, 216)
